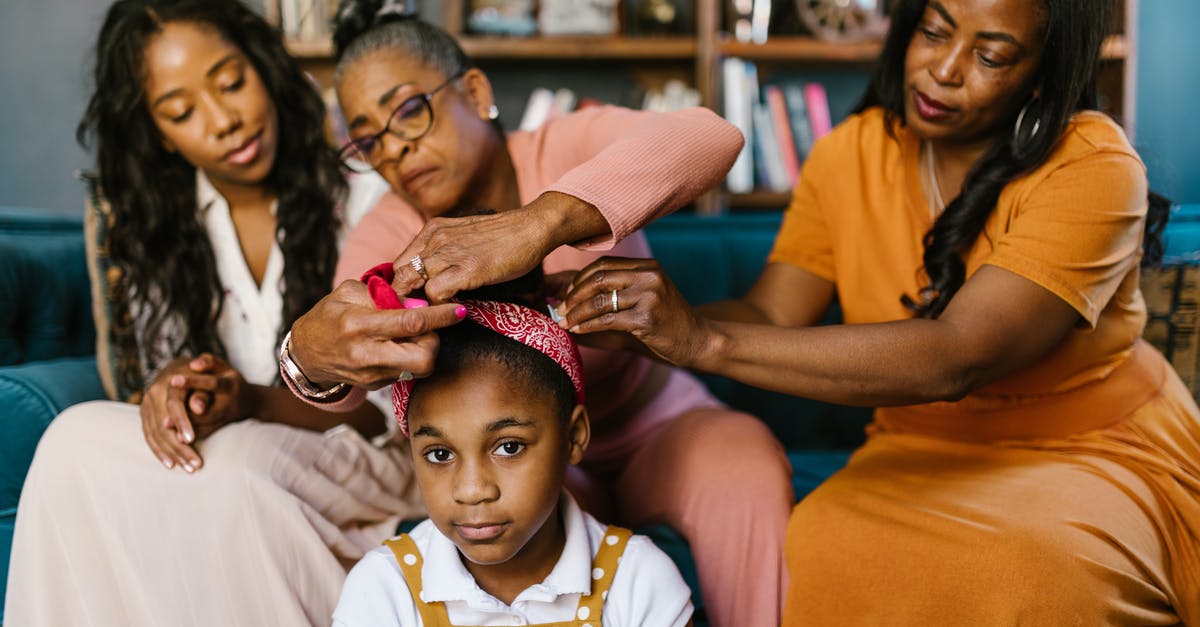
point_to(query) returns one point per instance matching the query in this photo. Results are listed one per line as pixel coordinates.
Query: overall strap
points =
(409, 558)
(604, 568)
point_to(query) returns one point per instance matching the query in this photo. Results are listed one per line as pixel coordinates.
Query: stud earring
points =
(493, 112)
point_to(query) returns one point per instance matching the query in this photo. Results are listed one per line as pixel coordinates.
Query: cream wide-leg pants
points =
(276, 516)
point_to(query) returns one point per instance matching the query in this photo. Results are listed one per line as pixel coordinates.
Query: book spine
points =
(737, 111)
(818, 109)
(793, 95)
(783, 134)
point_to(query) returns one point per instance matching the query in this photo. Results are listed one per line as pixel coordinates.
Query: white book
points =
(564, 101)
(737, 111)
(541, 101)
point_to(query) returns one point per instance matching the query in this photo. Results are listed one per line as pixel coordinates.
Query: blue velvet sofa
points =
(47, 340)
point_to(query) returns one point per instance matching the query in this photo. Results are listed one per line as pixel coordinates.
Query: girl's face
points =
(968, 66)
(209, 103)
(490, 457)
(433, 171)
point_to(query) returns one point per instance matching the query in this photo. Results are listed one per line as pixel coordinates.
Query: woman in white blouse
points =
(223, 216)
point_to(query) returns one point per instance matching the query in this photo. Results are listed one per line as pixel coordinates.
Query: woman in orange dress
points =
(1032, 460)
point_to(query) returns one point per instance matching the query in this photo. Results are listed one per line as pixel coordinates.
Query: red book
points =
(783, 132)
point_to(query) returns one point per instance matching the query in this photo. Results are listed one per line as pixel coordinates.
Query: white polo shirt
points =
(646, 591)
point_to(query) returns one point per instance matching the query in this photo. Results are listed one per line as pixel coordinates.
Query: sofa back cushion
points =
(45, 306)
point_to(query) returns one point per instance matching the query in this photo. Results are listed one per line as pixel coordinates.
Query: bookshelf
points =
(696, 58)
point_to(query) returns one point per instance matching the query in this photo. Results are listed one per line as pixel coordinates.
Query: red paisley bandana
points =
(531, 328)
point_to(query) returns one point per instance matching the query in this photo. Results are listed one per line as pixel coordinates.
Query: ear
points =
(579, 433)
(479, 93)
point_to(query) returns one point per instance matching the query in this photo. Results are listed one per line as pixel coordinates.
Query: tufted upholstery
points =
(45, 307)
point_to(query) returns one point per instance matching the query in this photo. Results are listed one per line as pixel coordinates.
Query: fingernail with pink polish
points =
(460, 312)
(415, 303)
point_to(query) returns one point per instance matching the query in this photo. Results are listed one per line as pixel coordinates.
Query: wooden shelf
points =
(803, 49)
(812, 50)
(760, 200)
(576, 48)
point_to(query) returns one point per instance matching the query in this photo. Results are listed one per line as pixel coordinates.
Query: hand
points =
(345, 339)
(165, 422)
(216, 394)
(462, 254)
(652, 316)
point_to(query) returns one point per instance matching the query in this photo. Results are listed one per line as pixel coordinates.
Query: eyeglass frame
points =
(351, 148)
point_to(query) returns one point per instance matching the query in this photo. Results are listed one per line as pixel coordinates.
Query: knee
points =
(730, 453)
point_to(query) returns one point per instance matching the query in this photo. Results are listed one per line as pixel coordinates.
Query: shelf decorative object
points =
(502, 17)
(843, 20)
(578, 17)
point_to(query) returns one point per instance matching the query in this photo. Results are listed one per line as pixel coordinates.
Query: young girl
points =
(221, 226)
(493, 431)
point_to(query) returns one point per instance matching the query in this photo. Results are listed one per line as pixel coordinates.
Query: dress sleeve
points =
(636, 166)
(1079, 232)
(804, 239)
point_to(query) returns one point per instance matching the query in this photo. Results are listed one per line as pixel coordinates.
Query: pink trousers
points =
(717, 476)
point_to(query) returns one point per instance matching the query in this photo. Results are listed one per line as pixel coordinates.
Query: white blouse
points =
(252, 315)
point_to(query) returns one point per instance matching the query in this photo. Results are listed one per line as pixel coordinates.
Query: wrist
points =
(299, 381)
(565, 220)
(711, 346)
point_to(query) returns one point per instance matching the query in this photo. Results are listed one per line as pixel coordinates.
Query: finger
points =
(196, 381)
(177, 413)
(405, 278)
(607, 264)
(150, 433)
(409, 323)
(595, 297)
(557, 285)
(204, 363)
(415, 356)
(199, 401)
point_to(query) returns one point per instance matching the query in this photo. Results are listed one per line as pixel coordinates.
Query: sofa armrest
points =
(32, 395)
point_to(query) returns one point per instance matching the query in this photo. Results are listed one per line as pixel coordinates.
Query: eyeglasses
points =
(409, 121)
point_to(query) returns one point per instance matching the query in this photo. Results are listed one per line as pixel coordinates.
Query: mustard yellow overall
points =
(591, 605)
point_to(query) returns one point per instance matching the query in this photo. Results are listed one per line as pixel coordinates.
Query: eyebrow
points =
(507, 422)
(383, 100)
(211, 71)
(988, 35)
(497, 425)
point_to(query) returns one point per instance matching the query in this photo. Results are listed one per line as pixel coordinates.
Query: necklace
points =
(936, 203)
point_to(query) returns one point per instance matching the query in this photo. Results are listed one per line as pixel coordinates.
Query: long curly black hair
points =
(166, 275)
(1073, 36)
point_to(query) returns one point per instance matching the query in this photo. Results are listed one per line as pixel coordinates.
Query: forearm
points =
(733, 311)
(280, 405)
(896, 363)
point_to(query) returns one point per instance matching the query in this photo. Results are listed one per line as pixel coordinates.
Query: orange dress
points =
(1064, 494)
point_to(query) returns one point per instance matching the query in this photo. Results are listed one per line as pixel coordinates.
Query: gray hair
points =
(431, 45)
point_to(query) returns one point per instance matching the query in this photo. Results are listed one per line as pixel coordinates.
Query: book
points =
(783, 133)
(817, 102)
(774, 175)
(802, 135)
(537, 109)
(740, 179)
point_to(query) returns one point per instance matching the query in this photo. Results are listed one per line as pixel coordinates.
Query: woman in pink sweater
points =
(664, 450)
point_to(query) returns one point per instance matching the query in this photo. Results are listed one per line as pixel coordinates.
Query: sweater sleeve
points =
(635, 166)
